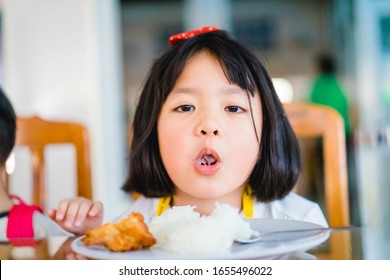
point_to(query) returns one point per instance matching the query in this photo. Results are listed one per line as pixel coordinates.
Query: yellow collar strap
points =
(163, 205)
(247, 203)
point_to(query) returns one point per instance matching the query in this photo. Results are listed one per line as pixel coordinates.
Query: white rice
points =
(182, 230)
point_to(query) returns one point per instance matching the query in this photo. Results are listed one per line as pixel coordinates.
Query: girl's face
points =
(207, 141)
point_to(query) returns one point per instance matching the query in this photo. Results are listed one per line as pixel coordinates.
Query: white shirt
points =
(292, 207)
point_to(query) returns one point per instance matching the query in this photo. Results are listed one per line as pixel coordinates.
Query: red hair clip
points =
(174, 39)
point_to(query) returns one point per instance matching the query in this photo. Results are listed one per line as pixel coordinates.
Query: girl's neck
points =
(206, 206)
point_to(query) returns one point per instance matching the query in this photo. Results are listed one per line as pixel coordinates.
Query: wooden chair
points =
(37, 133)
(317, 121)
(310, 120)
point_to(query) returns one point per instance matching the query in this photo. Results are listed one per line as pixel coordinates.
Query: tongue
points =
(207, 160)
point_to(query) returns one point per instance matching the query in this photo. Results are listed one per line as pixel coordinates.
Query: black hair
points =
(7, 128)
(279, 160)
(326, 63)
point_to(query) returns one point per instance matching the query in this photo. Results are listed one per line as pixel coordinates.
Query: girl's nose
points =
(208, 127)
(204, 132)
(208, 122)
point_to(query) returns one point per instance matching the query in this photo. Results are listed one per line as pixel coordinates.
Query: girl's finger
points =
(52, 213)
(72, 212)
(96, 209)
(62, 209)
(82, 213)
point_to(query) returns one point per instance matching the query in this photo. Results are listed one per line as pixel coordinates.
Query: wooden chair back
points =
(309, 120)
(36, 134)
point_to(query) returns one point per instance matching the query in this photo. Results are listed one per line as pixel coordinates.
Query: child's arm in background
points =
(77, 215)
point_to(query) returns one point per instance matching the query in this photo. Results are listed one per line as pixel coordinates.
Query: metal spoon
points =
(286, 235)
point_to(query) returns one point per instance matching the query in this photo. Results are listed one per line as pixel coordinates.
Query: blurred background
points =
(86, 61)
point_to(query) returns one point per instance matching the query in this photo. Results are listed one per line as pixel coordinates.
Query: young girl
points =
(208, 128)
(7, 141)
(17, 219)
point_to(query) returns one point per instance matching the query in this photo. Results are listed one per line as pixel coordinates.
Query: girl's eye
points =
(185, 108)
(234, 109)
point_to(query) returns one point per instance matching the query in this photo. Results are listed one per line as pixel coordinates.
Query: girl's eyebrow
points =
(184, 90)
(234, 90)
(227, 90)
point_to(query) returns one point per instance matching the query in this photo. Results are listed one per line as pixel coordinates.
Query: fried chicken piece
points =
(130, 233)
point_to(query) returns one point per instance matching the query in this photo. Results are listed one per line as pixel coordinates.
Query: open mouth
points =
(207, 160)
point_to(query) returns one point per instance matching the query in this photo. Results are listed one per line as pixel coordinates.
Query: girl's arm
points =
(77, 215)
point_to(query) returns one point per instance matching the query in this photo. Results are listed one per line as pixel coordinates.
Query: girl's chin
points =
(209, 193)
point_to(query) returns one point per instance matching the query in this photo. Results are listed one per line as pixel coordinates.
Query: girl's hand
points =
(78, 215)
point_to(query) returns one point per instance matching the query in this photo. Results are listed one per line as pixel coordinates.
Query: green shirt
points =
(327, 91)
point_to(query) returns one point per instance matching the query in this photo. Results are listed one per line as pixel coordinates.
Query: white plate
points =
(261, 250)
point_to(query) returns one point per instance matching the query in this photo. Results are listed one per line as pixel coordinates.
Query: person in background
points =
(17, 219)
(7, 142)
(326, 89)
